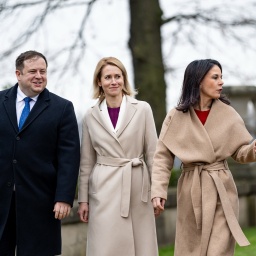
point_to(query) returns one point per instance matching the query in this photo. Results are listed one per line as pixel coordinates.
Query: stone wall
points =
(73, 235)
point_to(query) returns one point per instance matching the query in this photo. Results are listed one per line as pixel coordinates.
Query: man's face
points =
(33, 78)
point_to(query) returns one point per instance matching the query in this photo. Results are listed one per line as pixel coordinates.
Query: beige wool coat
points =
(115, 179)
(207, 201)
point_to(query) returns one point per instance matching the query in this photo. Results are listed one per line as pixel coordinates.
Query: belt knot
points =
(136, 162)
(127, 165)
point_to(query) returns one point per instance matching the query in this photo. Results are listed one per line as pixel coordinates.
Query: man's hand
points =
(62, 210)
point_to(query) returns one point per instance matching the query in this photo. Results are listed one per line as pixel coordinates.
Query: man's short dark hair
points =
(26, 56)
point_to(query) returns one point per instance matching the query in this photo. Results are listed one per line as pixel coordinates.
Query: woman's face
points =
(211, 85)
(111, 81)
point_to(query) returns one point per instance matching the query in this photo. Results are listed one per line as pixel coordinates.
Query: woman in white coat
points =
(118, 143)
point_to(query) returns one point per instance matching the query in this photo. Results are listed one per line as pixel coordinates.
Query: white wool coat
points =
(115, 175)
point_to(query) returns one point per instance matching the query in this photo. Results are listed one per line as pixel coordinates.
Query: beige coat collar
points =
(223, 132)
(129, 112)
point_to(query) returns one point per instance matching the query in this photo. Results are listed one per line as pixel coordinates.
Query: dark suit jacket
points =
(42, 160)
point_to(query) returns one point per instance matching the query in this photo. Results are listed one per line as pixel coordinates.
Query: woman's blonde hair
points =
(98, 92)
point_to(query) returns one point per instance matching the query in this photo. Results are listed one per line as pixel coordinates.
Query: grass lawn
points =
(248, 250)
(240, 251)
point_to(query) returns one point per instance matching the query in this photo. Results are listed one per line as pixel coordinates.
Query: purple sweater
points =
(113, 113)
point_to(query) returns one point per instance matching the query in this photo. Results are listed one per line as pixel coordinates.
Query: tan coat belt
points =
(127, 165)
(196, 195)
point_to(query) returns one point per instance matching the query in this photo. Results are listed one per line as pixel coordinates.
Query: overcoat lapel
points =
(218, 115)
(96, 113)
(185, 133)
(41, 104)
(128, 115)
(10, 106)
(223, 117)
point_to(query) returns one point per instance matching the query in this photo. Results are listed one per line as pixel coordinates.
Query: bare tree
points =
(48, 7)
(146, 43)
(187, 23)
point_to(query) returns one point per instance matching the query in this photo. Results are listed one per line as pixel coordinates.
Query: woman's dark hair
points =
(193, 76)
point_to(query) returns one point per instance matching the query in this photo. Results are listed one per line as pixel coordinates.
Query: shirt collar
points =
(21, 95)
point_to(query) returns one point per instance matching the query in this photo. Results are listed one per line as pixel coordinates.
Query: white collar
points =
(21, 95)
(104, 108)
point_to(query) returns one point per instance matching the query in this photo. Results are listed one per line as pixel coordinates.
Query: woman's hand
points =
(83, 212)
(158, 204)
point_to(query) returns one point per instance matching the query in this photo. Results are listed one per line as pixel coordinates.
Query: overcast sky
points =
(107, 34)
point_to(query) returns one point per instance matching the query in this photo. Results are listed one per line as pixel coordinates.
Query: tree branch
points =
(203, 16)
(39, 20)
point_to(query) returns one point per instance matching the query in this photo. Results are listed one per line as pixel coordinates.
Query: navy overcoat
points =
(42, 160)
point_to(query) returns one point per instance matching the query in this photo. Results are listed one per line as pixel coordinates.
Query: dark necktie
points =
(25, 112)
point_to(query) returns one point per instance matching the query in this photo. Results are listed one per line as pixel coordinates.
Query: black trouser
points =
(8, 240)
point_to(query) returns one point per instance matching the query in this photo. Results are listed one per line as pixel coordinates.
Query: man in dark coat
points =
(39, 162)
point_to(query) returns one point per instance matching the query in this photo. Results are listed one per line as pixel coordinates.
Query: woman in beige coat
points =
(202, 131)
(118, 143)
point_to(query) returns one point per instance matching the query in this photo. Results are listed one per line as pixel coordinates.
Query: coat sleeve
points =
(87, 162)
(162, 165)
(245, 154)
(68, 156)
(150, 137)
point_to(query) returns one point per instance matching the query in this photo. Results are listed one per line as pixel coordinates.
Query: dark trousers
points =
(8, 240)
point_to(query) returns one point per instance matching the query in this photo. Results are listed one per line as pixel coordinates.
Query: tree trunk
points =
(145, 45)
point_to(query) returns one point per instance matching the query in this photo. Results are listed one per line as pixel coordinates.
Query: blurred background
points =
(155, 40)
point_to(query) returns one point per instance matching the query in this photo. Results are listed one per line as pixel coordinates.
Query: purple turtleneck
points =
(113, 113)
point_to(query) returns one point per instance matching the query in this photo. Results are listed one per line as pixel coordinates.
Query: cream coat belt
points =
(127, 165)
(196, 195)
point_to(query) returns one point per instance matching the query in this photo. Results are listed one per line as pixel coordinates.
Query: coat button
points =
(17, 138)
(9, 184)
(14, 161)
